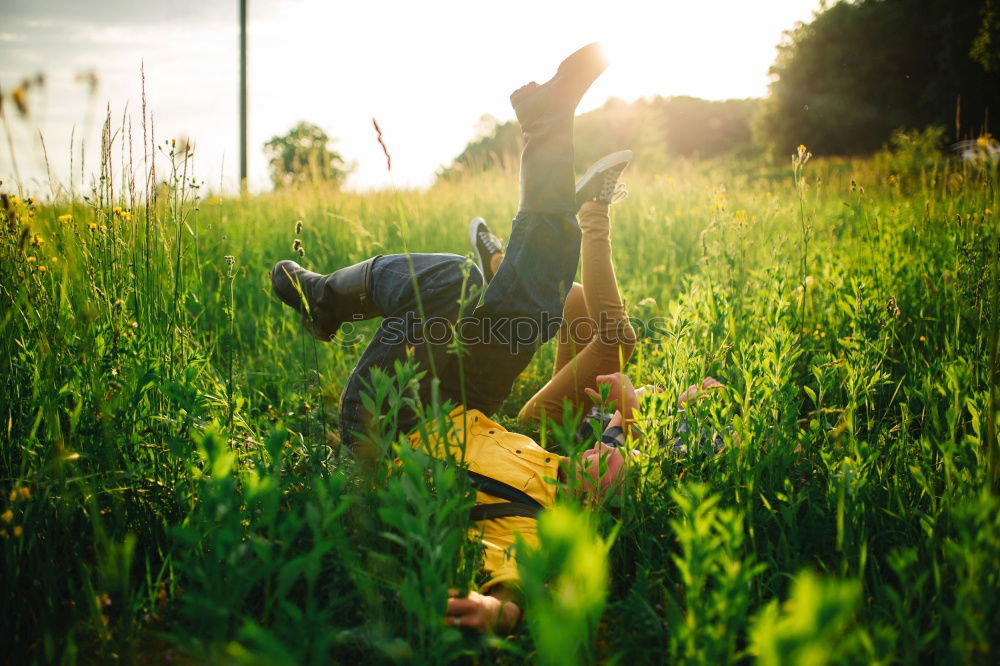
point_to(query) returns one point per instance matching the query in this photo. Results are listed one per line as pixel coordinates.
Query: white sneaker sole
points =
(473, 241)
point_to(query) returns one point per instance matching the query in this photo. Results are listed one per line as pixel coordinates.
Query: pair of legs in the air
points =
(595, 337)
(522, 305)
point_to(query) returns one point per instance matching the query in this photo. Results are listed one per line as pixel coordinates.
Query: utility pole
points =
(243, 96)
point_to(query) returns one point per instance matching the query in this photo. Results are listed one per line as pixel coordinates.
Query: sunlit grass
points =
(170, 471)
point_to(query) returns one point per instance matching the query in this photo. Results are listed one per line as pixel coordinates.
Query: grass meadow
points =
(173, 490)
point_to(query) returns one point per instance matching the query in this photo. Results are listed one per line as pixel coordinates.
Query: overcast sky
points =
(427, 71)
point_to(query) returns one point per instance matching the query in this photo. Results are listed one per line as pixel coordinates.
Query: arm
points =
(494, 612)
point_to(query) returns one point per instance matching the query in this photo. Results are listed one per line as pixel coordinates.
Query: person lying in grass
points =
(522, 307)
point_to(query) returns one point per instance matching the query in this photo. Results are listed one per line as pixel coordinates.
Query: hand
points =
(622, 395)
(696, 391)
(591, 461)
(482, 612)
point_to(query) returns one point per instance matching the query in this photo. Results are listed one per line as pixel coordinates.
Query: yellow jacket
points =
(514, 459)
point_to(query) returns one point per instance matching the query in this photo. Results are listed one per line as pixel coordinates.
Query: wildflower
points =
(42, 269)
(25, 492)
(135, 324)
(37, 241)
(53, 259)
(13, 495)
(15, 200)
(922, 339)
(230, 260)
(92, 226)
(802, 148)
(30, 259)
(298, 227)
(66, 218)
(982, 141)
(18, 530)
(114, 372)
(7, 516)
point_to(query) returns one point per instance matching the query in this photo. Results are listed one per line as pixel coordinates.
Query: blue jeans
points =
(520, 310)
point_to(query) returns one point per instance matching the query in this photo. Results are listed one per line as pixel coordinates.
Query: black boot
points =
(545, 113)
(330, 300)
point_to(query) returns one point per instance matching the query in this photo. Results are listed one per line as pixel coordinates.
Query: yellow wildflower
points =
(922, 339)
(802, 148)
(15, 200)
(18, 530)
(7, 516)
(66, 218)
(982, 141)
(30, 259)
(53, 259)
(92, 226)
(42, 269)
(13, 495)
(25, 492)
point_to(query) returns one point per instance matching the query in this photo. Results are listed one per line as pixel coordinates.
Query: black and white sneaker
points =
(485, 244)
(600, 183)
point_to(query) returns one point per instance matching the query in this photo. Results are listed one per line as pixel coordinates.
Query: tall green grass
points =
(172, 481)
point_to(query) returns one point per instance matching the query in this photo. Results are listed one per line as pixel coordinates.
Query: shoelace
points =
(490, 242)
(611, 190)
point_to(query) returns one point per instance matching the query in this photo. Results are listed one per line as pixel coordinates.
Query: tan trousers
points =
(596, 337)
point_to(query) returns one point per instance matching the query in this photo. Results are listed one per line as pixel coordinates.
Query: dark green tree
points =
(302, 156)
(860, 70)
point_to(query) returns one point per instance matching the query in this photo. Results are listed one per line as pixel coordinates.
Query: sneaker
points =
(600, 183)
(485, 244)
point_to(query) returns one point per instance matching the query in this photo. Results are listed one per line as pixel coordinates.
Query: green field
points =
(173, 491)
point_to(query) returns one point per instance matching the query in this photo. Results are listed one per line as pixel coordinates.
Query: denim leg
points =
(521, 309)
(439, 278)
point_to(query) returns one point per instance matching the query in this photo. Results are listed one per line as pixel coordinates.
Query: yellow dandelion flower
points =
(30, 259)
(13, 495)
(982, 141)
(15, 200)
(7, 516)
(25, 492)
(922, 339)
(53, 259)
(66, 218)
(92, 226)
(42, 268)
(18, 530)
(802, 148)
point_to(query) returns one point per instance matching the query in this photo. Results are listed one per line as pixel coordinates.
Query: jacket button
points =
(518, 452)
(547, 459)
(491, 432)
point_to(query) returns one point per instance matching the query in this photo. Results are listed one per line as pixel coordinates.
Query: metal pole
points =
(243, 96)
